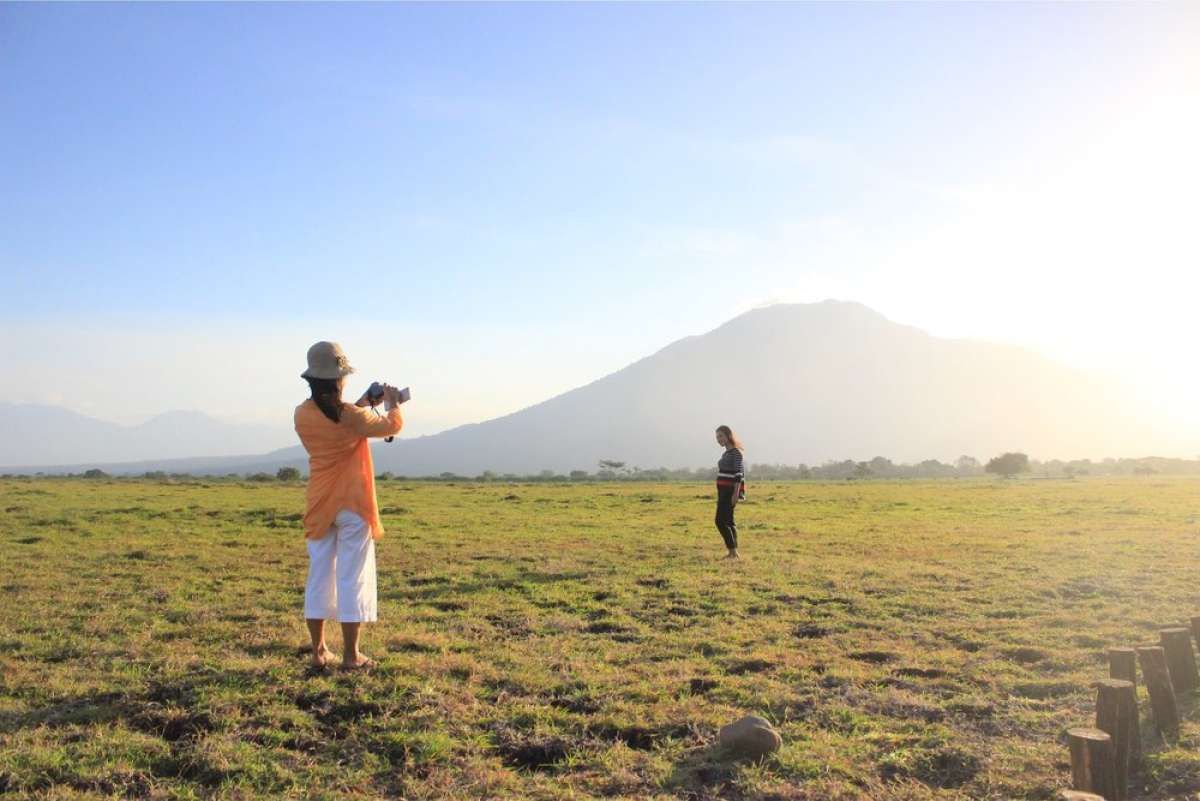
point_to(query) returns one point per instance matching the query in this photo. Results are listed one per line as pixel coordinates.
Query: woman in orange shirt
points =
(341, 518)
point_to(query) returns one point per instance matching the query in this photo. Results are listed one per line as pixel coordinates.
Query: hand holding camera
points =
(391, 396)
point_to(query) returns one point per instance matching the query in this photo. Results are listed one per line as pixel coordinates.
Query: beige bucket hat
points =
(327, 360)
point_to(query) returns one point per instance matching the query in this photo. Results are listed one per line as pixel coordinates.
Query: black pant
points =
(724, 521)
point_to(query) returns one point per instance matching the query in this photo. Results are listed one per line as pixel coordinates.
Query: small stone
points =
(751, 736)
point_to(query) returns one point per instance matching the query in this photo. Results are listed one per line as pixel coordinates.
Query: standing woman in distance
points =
(731, 487)
(341, 516)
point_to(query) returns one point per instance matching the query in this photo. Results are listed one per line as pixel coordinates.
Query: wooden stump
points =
(1162, 692)
(1130, 699)
(1076, 795)
(1092, 764)
(1122, 664)
(1116, 714)
(1181, 660)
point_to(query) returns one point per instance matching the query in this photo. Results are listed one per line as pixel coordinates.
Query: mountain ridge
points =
(64, 436)
(800, 383)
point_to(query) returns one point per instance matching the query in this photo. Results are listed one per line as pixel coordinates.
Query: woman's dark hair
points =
(730, 437)
(327, 396)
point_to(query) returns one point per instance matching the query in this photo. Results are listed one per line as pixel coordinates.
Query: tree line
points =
(1007, 465)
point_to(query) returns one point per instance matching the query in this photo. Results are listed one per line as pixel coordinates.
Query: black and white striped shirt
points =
(730, 472)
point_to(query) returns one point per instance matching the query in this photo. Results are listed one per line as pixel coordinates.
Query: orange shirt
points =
(341, 474)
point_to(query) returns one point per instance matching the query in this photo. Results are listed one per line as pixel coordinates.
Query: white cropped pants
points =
(341, 573)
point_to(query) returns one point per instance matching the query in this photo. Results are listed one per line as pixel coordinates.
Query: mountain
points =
(36, 435)
(802, 383)
(798, 383)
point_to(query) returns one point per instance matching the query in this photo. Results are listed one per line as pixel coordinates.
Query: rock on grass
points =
(751, 737)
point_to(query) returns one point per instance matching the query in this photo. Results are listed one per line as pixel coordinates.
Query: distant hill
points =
(46, 435)
(799, 383)
(802, 383)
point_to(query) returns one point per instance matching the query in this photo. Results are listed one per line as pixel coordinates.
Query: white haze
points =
(251, 376)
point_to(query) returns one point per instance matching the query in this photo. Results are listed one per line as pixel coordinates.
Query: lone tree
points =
(611, 469)
(288, 474)
(1008, 464)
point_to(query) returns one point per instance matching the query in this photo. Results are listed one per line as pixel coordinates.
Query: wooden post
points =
(1162, 693)
(1122, 664)
(1092, 766)
(1196, 628)
(1130, 699)
(1116, 714)
(1181, 660)
(1076, 795)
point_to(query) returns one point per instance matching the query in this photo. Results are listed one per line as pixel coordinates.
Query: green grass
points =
(910, 640)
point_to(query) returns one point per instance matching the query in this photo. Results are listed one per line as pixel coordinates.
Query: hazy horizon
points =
(823, 382)
(496, 204)
(281, 417)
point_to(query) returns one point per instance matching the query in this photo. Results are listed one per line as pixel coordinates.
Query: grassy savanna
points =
(909, 640)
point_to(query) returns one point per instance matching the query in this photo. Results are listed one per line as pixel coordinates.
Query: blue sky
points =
(504, 201)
